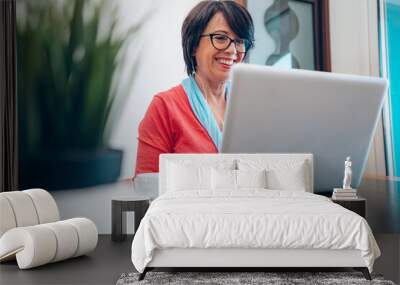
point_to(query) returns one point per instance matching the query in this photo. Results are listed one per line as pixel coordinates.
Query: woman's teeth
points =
(225, 61)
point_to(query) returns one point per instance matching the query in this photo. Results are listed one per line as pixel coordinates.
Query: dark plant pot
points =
(70, 169)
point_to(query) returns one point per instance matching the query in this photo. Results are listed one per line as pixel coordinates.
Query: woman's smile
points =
(226, 62)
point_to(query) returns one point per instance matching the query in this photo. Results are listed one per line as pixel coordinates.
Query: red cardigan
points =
(170, 126)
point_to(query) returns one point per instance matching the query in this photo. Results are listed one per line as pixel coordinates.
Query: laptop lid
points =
(330, 115)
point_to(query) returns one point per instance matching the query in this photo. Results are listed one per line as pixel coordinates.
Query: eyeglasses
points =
(223, 42)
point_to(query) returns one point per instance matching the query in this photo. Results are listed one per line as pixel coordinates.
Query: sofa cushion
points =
(7, 220)
(23, 208)
(26, 208)
(45, 205)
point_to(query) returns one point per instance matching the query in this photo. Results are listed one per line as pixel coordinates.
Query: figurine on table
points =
(347, 174)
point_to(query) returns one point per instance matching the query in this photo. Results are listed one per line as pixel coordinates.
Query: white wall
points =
(354, 49)
(161, 65)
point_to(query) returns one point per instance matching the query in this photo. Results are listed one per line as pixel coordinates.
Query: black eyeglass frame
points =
(234, 41)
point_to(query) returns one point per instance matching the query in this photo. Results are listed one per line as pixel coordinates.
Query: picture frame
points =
(290, 33)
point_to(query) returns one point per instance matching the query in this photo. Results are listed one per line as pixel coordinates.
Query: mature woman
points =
(189, 118)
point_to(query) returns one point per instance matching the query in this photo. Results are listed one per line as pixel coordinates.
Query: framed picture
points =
(290, 33)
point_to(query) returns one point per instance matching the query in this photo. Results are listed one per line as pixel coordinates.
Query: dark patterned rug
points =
(243, 278)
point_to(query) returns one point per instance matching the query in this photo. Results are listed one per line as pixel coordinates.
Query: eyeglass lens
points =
(222, 42)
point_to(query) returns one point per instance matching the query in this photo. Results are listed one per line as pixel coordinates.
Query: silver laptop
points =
(330, 115)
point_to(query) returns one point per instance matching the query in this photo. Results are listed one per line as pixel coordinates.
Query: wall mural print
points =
(290, 33)
(282, 24)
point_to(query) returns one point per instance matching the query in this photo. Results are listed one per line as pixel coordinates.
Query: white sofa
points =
(31, 231)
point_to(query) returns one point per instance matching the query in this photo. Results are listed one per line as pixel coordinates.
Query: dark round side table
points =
(119, 207)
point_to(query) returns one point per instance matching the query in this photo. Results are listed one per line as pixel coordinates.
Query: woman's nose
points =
(231, 48)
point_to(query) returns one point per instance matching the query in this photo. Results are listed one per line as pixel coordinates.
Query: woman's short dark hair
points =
(237, 17)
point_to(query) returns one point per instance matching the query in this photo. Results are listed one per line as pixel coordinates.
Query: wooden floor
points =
(103, 266)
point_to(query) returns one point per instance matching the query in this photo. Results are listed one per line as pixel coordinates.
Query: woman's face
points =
(212, 64)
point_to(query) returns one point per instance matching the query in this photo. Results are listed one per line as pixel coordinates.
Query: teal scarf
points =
(202, 110)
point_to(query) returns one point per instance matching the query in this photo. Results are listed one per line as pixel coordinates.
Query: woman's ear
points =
(242, 57)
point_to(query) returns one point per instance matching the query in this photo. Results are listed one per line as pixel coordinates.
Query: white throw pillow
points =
(181, 177)
(283, 174)
(223, 179)
(251, 178)
(290, 179)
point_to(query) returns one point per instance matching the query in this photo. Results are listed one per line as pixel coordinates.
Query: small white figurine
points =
(347, 174)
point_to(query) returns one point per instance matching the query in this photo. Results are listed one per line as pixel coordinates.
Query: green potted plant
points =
(67, 88)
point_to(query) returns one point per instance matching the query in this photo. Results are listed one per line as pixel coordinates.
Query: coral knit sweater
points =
(170, 126)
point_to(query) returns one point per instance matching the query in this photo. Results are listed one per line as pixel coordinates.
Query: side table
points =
(358, 205)
(119, 207)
